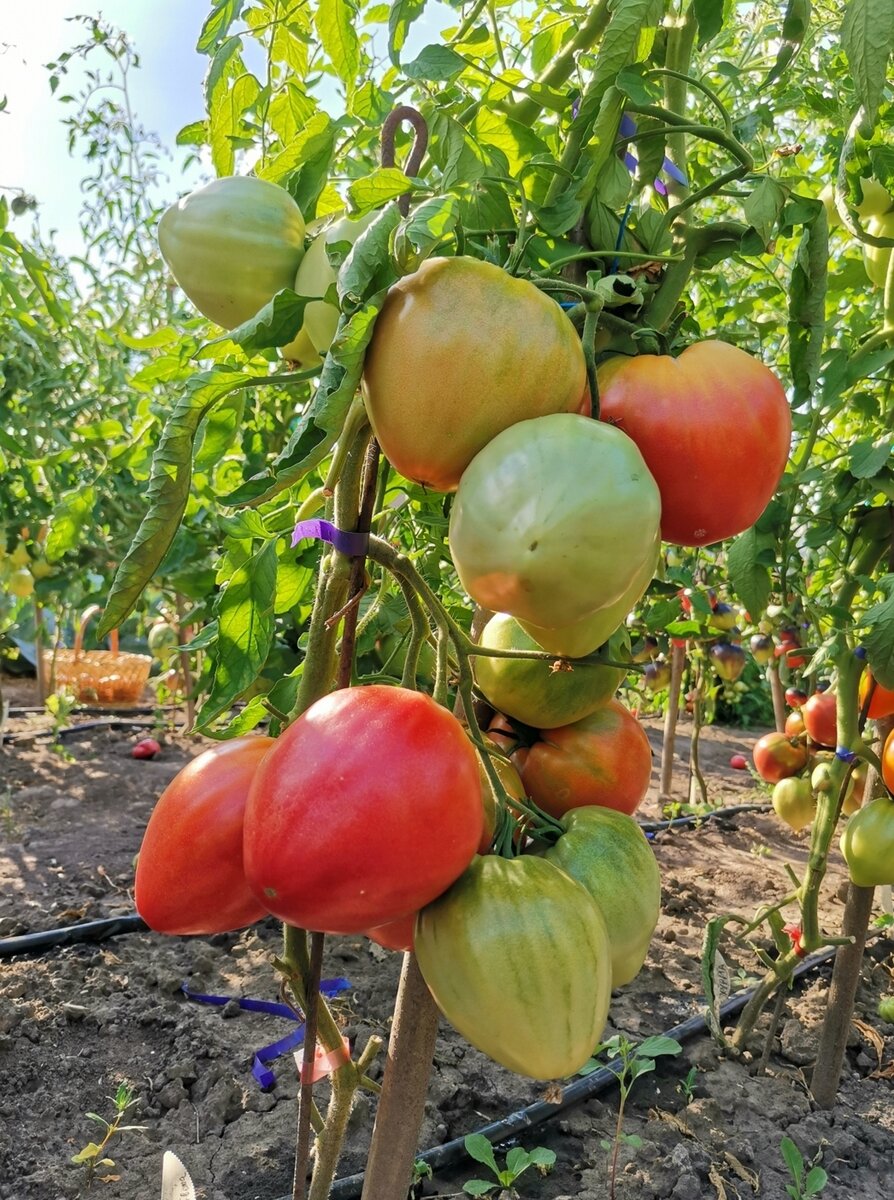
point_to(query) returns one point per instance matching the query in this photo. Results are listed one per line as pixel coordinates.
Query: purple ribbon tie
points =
(627, 129)
(354, 545)
(259, 1069)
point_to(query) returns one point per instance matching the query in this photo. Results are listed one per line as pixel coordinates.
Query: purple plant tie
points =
(354, 545)
(259, 1069)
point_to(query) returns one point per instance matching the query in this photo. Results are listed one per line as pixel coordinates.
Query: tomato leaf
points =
(376, 189)
(435, 63)
(879, 641)
(763, 208)
(867, 38)
(807, 308)
(275, 325)
(710, 16)
(401, 16)
(335, 22)
(866, 457)
(167, 494)
(67, 521)
(217, 24)
(748, 576)
(244, 612)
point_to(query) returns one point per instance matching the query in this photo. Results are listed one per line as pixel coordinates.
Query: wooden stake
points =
(678, 662)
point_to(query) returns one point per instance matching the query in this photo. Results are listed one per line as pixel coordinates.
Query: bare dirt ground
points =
(76, 1021)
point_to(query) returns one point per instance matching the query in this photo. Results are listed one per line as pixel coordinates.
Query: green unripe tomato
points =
(21, 583)
(232, 245)
(823, 778)
(607, 853)
(316, 275)
(886, 1009)
(876, 258)
(868, 844)
(554, 520)
(793, 803)
(531, 690)
(876, 201)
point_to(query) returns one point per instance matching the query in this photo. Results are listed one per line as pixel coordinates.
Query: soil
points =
(77, 1021)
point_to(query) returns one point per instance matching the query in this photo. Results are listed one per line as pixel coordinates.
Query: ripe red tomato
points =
(145, 748)
(882, 703)
(819, 713)
(189, 871)
(680, 411)
(366, 809)
(738, 762)
(778, 757)
(604, 759)
(394, 935)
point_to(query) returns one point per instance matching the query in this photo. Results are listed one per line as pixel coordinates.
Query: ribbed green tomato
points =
(868, 844)
(594, 630)
(316, 275)
(607, 853)
(462, 350)
(232, 245)
(876, 258)
(533, 691)
(517, 957)
(554, 520)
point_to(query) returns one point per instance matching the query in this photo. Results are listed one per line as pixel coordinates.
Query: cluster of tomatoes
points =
(372, 813)
(799, 763)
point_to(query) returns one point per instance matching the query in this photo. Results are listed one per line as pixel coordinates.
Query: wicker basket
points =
(98, 676)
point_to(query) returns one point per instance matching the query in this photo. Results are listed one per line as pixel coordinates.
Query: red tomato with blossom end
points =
(795, 697)
(604, 759)
(820, 718)
(778, 757)
(680, 412)
(189, 875)
(366, 809)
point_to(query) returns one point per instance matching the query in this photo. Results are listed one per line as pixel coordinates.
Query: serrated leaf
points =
(167, 493)
(401, 16)
(435, 63)
(244, 612)
(749, 578)
(217, 24)
(710, 16)
(275, 325)
(335, 22)
(867, 38)
(478, 1147)
(376, 189)
(763, 207)
(879, 640)
(69, 518)
(866, 457)
(312, 144)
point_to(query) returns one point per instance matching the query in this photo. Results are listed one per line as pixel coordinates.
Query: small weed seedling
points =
(628, 1061)
(93, 1155)
(60, 705)
(804, 1183)
(687, 1084)
(517, 1162)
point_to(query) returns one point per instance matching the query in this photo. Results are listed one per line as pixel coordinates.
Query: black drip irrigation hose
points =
(516, 1123)
(115, 723)
(95, 931)
(70, 935)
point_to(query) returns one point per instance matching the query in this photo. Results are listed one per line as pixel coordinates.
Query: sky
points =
(166, 94)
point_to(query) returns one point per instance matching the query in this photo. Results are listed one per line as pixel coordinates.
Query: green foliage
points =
(806, 1180)
(517, 1162)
